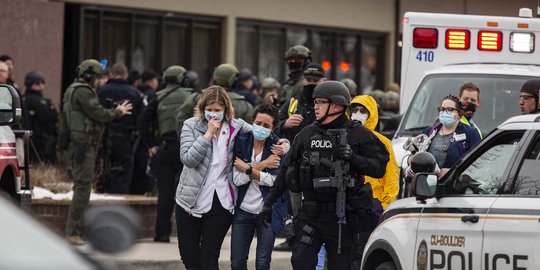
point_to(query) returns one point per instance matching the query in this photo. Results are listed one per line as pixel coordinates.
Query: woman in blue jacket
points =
(450, 139)
(255, 169)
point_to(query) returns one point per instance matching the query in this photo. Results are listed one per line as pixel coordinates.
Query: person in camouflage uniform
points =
(164, 150)
(84, 118)
(297, 58)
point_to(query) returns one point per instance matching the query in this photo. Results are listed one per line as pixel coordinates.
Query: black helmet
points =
(33, 77)
(335, 91)
(423, 162)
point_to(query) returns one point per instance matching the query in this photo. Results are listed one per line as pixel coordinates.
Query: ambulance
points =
(13, 144)
(441, 52)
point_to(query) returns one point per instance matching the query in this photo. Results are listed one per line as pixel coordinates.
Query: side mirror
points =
(425, 185)
(10, 105)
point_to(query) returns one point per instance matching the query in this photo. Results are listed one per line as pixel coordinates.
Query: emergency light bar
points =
(489, 40)
(522, 42)
(458, 39)
(425, 38)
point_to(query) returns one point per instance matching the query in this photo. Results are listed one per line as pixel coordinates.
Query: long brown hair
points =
(212, 95)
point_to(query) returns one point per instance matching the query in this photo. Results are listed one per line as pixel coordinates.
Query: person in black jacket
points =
(40, 116)
(310, 168)
(122, 132)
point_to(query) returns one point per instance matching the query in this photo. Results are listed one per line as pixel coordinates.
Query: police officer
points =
(84, 117)
(297, 58)
(310, 168)
(149, 85)
(40, 116)
(226, 76)
(122, 132)
(164, 150)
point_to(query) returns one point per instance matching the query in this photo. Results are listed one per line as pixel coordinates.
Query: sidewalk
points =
(149, 255)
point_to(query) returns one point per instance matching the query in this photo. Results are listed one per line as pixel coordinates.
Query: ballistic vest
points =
(76, 120)
(169, 101)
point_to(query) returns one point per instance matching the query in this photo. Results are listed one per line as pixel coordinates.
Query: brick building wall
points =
(53, 213)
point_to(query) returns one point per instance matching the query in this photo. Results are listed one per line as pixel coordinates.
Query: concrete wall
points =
(33, 35)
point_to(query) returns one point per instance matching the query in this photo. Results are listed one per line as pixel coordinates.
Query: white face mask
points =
(358, 116)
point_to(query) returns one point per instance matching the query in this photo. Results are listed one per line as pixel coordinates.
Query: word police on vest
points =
(321, 144)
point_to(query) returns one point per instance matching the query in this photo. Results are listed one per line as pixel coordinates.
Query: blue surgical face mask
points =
(447, 118)
(208, 115)
(260, 133)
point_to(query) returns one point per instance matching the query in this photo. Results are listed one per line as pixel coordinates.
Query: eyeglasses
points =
(320, 102)
(360, 109)
(526, 97)
(447, 109)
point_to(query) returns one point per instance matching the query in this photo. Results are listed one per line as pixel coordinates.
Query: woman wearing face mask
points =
(206, 194)
(255, 169)
(450, 139)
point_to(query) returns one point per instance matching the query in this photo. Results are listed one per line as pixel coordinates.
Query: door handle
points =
(470, 218)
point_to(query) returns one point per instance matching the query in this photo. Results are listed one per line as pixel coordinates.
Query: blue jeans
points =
(244, 226)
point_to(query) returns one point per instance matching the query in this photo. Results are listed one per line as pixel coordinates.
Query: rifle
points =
(341, 179)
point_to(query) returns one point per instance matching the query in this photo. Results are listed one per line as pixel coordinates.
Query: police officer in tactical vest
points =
(84, 118)
(327, 162)
(122, 134)
(164, 150)
(297, 58)
(226, 76)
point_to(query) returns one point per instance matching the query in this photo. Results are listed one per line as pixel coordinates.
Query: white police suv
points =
(483, 214)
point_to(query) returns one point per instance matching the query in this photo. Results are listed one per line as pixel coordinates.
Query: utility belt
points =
(169, 137)
(84, 137)
(318, 207)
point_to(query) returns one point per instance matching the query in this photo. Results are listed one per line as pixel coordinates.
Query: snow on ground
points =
(42, 193)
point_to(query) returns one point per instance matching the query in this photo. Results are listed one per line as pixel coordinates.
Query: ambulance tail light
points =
(522, 42)
(425, 38)
(489, 40)
(458, 39)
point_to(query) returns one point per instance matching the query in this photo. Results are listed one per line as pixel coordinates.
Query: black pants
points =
(200, 239)
(316, 225)
(121, 169)
(140, 182)
(166, 168)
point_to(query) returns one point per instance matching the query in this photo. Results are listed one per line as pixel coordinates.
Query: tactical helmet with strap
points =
(90, 69)
(225, 75)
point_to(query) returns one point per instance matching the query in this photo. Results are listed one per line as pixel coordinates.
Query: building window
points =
(357, 55)
(143, 40)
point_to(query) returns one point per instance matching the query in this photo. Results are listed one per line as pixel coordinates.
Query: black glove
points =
(266, 215)
(344, 152)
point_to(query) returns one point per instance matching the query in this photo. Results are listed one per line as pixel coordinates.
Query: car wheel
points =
(386, 266)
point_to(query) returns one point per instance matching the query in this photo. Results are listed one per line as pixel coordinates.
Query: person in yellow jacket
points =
(385, 189)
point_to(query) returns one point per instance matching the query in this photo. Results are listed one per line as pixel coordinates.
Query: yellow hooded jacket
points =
(385, 189)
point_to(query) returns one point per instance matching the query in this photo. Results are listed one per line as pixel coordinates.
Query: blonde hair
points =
(215, 94)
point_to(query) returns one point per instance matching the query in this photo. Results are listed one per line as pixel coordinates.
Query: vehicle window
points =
(499, 97)
(528, 179)
(484, 174)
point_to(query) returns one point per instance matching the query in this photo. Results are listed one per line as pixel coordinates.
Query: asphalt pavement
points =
(149, 255)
